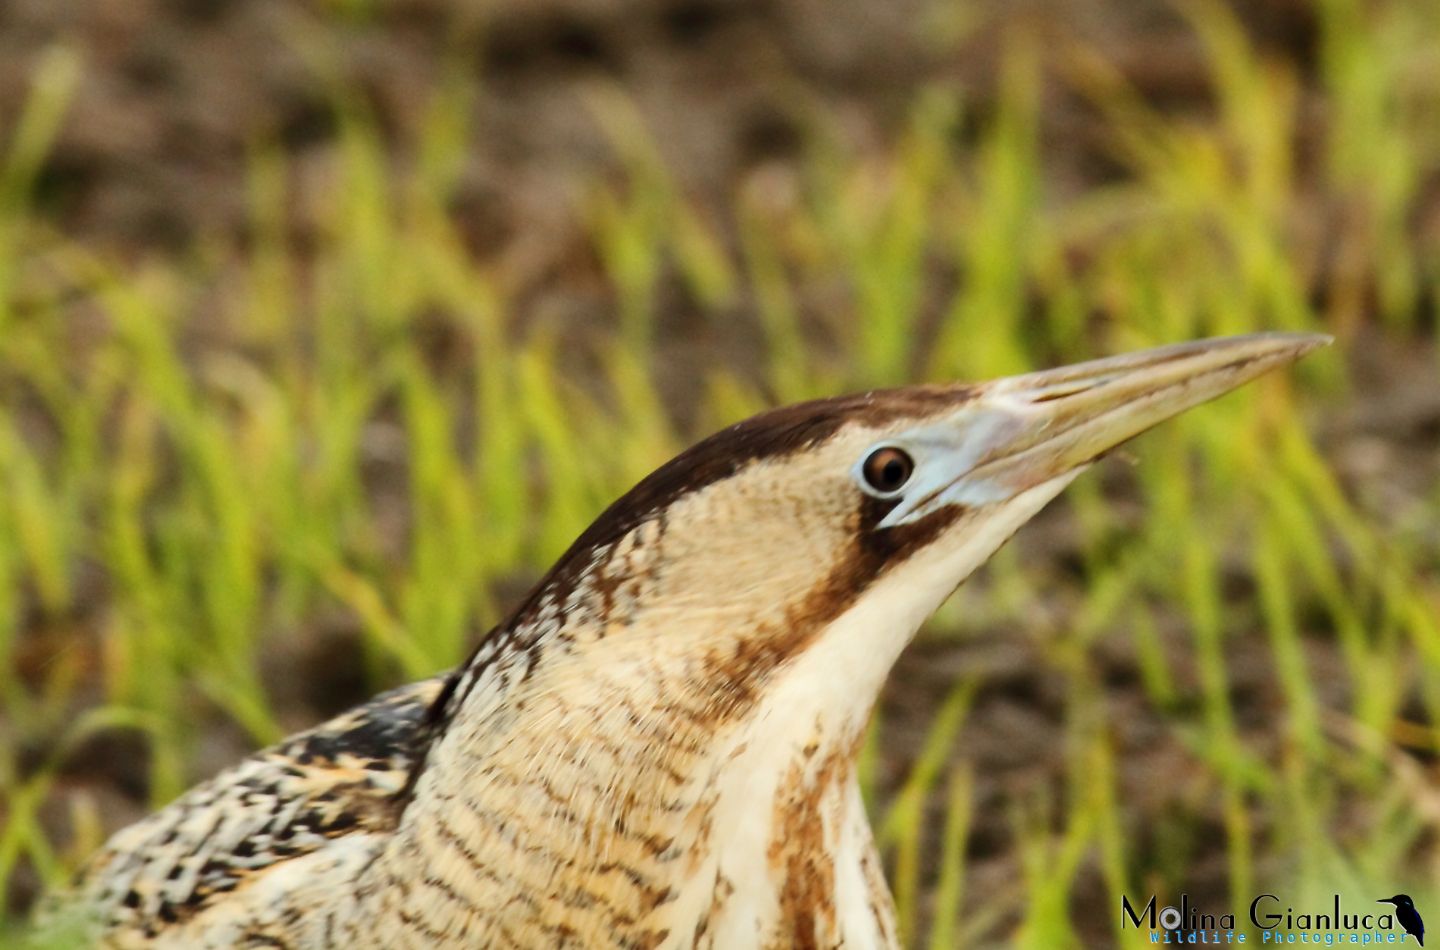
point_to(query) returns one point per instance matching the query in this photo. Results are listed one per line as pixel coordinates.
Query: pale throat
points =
(686, 755)
(791, 781)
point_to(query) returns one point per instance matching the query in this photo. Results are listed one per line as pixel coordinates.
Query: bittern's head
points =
(748, 548)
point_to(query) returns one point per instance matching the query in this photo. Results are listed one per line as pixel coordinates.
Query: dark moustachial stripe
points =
(772, 434)
(735, 680)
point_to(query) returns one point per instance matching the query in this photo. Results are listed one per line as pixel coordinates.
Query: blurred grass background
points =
(293, 410)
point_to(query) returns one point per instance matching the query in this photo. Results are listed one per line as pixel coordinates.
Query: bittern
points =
(658, 747)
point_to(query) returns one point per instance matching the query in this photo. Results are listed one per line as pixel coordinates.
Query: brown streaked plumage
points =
(657, 749)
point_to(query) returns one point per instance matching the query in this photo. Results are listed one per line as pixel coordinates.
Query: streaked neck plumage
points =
(668, 734)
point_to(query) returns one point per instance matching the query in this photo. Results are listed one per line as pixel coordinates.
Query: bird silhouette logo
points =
(1408, 916)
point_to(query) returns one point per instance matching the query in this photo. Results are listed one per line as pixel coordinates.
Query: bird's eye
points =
(887, 469)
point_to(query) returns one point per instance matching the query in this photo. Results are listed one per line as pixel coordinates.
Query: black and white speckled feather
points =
(283, 802)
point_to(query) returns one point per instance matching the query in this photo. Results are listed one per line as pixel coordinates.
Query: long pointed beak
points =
(1076, 413)
(1026, 430)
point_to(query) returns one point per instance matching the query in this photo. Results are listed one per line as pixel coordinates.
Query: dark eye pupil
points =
(887, 469)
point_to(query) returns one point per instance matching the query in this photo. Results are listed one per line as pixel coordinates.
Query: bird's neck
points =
(692, 776)
(645, 754)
